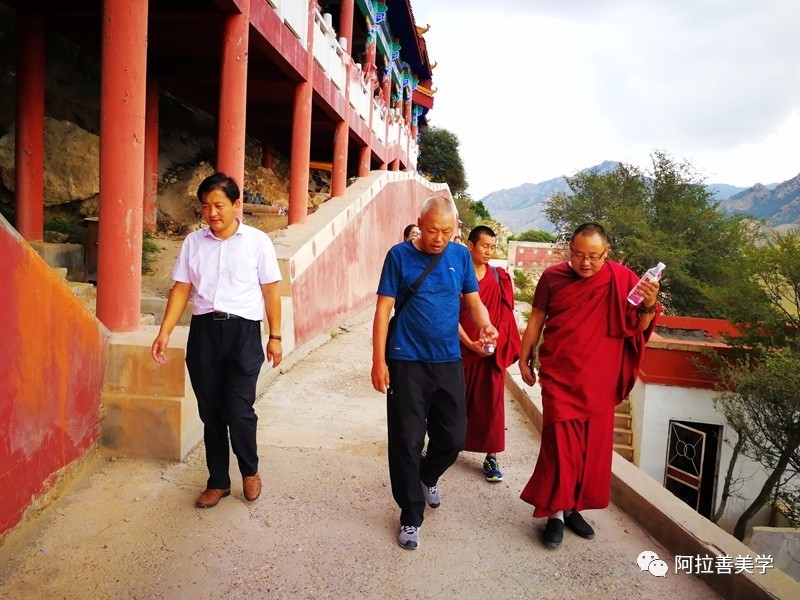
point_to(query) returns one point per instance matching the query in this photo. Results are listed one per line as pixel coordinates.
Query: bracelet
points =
(648, 310)
(275, 337)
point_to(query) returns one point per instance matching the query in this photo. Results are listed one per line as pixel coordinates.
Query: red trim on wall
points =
(344, 277)
(52, 361)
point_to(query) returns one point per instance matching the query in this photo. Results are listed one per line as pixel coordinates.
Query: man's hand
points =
(527, 372)
(477, 347)
(274, 352)
(159, 346)
(380, 376)
(649, 291)
(488, 334)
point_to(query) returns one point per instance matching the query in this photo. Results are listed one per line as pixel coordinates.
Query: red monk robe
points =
(590, 358)
(485, 376)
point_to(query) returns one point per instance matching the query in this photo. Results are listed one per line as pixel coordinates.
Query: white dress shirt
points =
(227, 274)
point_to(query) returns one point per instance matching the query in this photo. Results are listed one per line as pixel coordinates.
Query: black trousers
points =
(423, 396)
(224, 359)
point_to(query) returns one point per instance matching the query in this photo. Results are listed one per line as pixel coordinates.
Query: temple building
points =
(342, 86)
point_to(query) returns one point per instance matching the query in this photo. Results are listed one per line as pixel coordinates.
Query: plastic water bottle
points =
(654, 274)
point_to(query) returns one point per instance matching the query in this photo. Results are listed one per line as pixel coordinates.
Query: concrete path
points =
(326, 524)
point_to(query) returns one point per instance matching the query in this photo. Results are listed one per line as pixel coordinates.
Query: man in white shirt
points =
(234, 272)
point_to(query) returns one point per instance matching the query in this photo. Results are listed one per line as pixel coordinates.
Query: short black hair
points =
(476, 233)
(219, 181)
(407, 230)
(588, 229)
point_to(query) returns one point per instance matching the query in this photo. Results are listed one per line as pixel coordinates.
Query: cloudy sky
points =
(535, 89)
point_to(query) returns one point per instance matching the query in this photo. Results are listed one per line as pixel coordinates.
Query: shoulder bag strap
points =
(415, 286)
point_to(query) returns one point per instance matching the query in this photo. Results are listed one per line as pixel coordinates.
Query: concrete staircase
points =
(623, 434)
(84, 291)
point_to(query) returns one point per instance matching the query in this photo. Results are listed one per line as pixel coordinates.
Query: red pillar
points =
(122, 118)
(341, 139)
(364, 160)
(233, 95)
(365, 153)
(346, 23)
(150, 203)
(339, 173)
(268, 156)
(387, 89)
(29, 136)
(370, 58)
(301, 134)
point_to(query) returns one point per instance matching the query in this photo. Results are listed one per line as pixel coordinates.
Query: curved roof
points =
(413, 49)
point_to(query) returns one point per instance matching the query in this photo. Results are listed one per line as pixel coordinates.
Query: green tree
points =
(534, 235)
(439, 159)
(760, 386)
(764, 400)
(765, 301)
(664, 215)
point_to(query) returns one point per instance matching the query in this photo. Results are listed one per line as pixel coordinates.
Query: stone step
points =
(624, 407)
(623, 436)
(625, 451)
(623, 421)
(82, 290)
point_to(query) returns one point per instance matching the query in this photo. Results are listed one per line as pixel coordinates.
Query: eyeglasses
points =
(415, 234)
(577, 256)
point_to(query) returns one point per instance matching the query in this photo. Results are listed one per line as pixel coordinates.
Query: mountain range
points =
(522, 208)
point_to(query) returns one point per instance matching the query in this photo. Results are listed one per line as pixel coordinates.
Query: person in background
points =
(594, 343)
(420, 368)
(484, 367)
(234, 272)
(411, 231)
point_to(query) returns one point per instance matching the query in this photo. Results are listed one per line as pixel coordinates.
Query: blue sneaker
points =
(491, 468)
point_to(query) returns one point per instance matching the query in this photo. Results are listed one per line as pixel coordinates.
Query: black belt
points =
(220, 316)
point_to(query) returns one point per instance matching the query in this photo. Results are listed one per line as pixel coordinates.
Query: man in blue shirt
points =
(420, 368)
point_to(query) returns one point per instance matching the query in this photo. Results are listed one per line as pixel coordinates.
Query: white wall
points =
(654, 406)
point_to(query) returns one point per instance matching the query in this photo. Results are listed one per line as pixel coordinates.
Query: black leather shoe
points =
(553, 533)
(579, 526)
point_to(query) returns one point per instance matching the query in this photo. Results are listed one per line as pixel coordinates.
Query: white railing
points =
(394, 131)
(403, 137)
(294, 14)
(413, 149)
(328, 54)
(378, 121)
(331, 58)
(359, 93)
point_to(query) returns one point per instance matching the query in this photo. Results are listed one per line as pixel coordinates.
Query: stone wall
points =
(51, 376)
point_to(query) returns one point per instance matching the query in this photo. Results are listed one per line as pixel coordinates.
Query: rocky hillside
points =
(522, 208)
(778, 206)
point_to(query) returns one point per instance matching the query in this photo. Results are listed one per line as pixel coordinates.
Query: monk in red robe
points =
(594, 342)
(484, 368)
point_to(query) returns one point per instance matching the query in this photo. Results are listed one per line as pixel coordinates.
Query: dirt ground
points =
(326, 524)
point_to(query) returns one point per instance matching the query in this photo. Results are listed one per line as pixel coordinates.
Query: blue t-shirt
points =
(427, 326)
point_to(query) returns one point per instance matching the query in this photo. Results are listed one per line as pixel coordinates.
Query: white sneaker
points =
(409, 537)
(432, 495)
